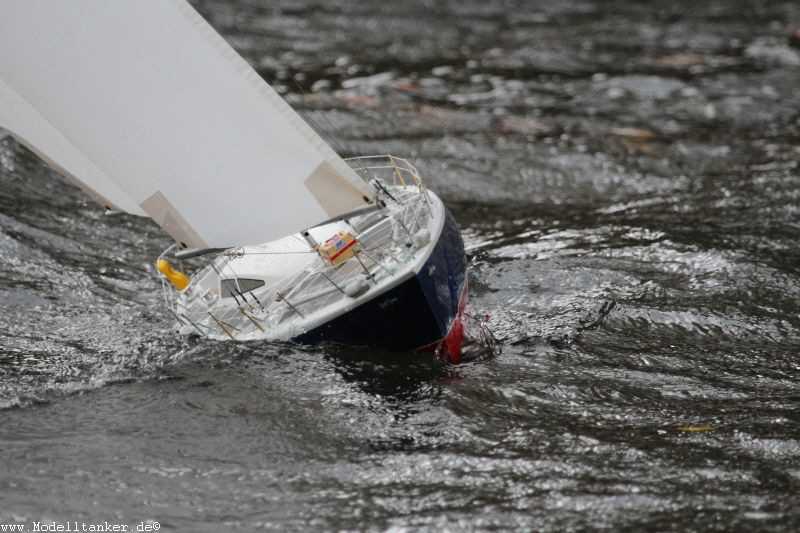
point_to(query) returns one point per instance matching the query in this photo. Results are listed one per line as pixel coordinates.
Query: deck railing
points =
(317, 286)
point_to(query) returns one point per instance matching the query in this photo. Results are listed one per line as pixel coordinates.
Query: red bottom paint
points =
(449, 348)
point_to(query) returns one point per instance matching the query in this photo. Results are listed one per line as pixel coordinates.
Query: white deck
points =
(300, 290)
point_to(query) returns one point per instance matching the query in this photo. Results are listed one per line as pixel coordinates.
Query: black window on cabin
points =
(235, 286)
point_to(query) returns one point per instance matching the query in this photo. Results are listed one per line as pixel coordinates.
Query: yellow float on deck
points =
(178, 279)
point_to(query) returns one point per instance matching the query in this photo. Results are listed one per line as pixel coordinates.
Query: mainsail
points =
(152, 112)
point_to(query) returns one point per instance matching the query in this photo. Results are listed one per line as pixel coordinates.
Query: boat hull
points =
(419, 313)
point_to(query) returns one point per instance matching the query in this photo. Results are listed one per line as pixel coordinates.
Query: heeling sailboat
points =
(144, 106)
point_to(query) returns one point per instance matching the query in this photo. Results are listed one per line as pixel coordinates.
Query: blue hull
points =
(415, 314)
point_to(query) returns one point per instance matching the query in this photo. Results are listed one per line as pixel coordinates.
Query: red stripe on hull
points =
(450, 346)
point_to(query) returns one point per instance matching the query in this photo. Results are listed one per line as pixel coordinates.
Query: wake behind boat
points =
(144, 106)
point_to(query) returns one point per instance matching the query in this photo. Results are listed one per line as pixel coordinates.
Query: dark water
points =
(626, 178)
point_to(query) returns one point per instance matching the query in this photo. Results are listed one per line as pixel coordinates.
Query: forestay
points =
(152, 112)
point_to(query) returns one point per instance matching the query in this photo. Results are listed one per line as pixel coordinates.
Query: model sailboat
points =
(146, 108)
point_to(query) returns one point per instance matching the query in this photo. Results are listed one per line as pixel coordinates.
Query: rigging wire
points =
(276, 253)
(322, 132)
(316, 127)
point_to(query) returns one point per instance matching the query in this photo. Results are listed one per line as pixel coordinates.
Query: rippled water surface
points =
(626, 179)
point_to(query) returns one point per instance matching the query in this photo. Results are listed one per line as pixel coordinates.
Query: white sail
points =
(34, 131)
(147, 107)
